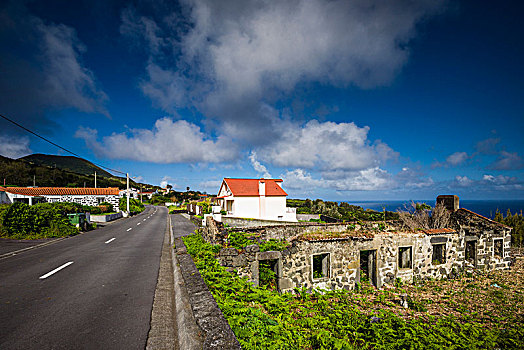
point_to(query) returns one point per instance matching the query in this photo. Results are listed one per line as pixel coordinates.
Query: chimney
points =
(262, 187)
(450, 201)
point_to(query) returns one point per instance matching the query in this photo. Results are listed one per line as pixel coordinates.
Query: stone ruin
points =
(337, 256)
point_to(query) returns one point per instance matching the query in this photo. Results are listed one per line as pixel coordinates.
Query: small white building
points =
(84, 196)
(256, 199)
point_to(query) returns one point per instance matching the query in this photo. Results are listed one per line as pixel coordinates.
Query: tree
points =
(420, 217)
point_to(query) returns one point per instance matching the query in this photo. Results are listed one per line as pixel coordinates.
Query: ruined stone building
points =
(336, 256)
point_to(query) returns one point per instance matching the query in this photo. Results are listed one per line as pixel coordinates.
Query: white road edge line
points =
(56, 270)
(129, 229)
(109, 241)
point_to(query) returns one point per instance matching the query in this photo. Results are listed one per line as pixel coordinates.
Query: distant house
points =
(255, 198)
(84, 196)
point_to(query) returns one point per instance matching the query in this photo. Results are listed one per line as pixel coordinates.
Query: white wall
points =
(246, 207)
(275, 208)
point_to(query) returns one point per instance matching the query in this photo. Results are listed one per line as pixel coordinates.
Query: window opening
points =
(268, 273)
(498, 248)
(404, 257)
(320, 266)
(439, 256)
(471, 252)
(368, 266)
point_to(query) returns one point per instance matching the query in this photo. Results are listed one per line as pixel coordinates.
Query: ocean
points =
(485, 208)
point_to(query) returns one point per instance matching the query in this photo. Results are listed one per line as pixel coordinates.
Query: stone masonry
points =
(337, 256)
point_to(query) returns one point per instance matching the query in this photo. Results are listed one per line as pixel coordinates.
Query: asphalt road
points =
(100, 299)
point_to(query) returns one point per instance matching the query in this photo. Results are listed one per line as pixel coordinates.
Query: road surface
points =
(90, 291)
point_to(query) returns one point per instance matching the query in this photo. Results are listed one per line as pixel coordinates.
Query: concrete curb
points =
(217, 333)
(189, 334)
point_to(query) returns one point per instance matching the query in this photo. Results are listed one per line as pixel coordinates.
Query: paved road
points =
(102, 300)
(181, 226)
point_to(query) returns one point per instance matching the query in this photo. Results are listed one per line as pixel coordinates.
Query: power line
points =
(54, 144)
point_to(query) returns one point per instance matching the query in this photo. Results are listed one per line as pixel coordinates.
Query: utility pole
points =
(141, 201)
(127, 175)
(95, 179)
(34, 180)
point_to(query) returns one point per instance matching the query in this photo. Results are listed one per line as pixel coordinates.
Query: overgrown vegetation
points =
(516, 222)
(422, 216)
(45, 220)
(370, 318)
(135, 206)
(343, 211)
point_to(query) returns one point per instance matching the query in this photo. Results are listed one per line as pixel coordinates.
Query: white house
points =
(255, 198)
(84, 196)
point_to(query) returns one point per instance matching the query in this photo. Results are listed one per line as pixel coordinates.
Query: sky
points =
(344, 100)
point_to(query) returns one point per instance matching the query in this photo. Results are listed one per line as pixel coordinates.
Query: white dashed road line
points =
(138, 224)
(56, 270)
(129, 229)
(109, 241)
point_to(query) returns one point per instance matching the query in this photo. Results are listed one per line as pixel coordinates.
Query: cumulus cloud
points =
(232, 57)
(489, 183)
(14, 147)
(363, 180)
(43, 70)
(487, 146)
(327, 146)
(167, 180)
(457, 158)
(259, 168)
(507, 161)
(167, 142)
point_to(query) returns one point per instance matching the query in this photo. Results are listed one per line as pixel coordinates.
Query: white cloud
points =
(167, 142)
(14, 147)
(233, 57)
(463, 181)
(210, 186)
(363, 180)
(259, 168)
(43, 71)
(457, 158)
(68, 82)
(507, 161)
(167, 180)
(326, 146)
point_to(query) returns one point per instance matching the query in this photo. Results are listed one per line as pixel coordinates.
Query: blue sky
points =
(344, 100)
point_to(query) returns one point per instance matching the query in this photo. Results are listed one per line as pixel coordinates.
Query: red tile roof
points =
(249, 187)
(438, 231)
(60, 191)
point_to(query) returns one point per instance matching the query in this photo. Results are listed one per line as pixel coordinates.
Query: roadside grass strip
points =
(56, 270)
(109, 241)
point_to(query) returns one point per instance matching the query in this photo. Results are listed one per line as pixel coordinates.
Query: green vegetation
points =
(343, 211)
(45, 220)
(68, 163)
(21, 173)
(516, 222)
(135, 206)
(463, 315)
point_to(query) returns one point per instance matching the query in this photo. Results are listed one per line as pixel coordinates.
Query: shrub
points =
(135, 206)
(21, 221)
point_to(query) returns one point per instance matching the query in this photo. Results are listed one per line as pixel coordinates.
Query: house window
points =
(404, 257)
(439, 254)
(498, 248)
(321, 265)
(100, 200)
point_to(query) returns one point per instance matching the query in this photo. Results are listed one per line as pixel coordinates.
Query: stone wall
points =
(344, 251)
(243, 222)
(483, 232)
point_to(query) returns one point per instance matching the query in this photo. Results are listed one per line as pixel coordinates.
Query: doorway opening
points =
(368, 266)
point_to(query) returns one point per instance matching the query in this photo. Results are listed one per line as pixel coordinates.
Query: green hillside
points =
(19, 172)
(68, 163)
